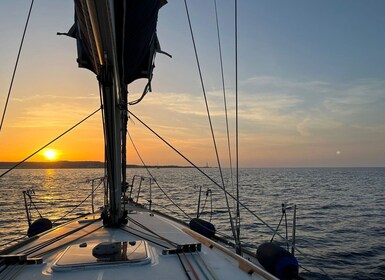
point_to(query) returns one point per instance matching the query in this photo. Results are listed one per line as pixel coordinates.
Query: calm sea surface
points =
(340, 211)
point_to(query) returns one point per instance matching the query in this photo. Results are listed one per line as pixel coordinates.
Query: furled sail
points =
(135, 36)
(116, 39)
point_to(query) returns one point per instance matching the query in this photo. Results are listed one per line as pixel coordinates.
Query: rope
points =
(31, 203)
(44, 244)
(69, 212)
(202, 172)
(142, 237)
(276, 230)
(224, 96)
(207, 267)
(149, 172)
(66, 243)
(210, 122)
(238, 220)
(204, 204)
(12, 241)
(14, 273)
(49, 143)
(16, 64)
(184, 267)
(191, 267)
(152, 232)
(199, 265)
(165, 208)
(218, 233)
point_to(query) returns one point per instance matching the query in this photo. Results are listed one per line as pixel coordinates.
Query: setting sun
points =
(50, 154)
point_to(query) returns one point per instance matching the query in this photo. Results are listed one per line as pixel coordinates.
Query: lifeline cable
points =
(16, 64)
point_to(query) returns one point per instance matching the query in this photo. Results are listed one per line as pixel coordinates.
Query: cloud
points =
(51, 98)
(280, 106)
(277, 116)
(50, 115)
(50, 110)
(315, 108)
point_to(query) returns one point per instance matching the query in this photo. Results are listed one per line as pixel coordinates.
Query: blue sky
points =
(311, 80)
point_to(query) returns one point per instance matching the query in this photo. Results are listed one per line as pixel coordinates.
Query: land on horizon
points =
(99, 164)
(72, 164)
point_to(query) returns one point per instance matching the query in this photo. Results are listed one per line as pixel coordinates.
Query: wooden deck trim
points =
(244, 264)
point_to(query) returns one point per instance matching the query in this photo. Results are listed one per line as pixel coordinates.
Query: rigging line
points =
(64, 244)
(218, 233)
(34, 205)
(16, 64)
(40, 246)
(165, 208)
(14, 240)
(191, 267)
(105, 140)
(204, 173)
(69, 212)
(207, 267)
(279, 224)
(203, 208)
(142, 237)
(172, 243)
(209, 119)
(238, 218)
(184, 267)
(224, 96)
(199, 265)
(287, 236)
(49, 143)
(214, 182)
(149, 172)
(14, 273)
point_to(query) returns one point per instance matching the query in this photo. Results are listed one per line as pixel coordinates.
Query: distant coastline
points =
(99, 164)
(72, 165)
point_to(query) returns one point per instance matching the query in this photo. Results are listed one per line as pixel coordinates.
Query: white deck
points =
(212, 262)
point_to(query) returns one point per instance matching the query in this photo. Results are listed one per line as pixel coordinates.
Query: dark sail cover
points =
(87, 56)
(136, 40)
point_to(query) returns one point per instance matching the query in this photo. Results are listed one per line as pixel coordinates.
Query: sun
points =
(50, 154)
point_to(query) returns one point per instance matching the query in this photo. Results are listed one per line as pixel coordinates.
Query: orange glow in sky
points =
(309, 95)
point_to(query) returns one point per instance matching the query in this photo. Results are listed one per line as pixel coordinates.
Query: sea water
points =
(340, 225)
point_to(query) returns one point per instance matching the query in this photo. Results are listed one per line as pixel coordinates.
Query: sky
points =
(311, 84)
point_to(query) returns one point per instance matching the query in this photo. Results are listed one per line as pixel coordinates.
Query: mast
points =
(117, 41)
(101, 15)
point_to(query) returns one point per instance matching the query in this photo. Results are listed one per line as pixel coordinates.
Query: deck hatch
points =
(83, 255)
